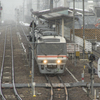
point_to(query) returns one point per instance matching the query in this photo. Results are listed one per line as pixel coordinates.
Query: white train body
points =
(51, 53)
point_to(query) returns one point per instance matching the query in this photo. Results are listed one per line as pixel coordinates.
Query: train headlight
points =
(45, 61)
(58, 61)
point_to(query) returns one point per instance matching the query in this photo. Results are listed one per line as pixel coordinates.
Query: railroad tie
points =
(9, 96)
(6, 77)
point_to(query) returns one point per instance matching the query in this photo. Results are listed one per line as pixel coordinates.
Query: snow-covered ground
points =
(25, 24)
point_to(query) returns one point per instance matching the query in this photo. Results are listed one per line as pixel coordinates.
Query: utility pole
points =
(30, 4)
(17, 15)
(29, 7)
(74, 31)
(83, 33)
(33, 86)
(51, 5)
(56, 1)
(46, 4)
(73, 20)
(65, 3)
(38, 4)
(0, 9)
(23, 9)
(92, 79)
(33, 51)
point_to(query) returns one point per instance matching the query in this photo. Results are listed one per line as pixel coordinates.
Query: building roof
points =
(55, 15)
(37, 13)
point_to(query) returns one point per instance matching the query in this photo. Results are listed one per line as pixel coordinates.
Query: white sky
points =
(9, 6)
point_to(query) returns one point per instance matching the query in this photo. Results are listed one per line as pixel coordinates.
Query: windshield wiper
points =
(43, 53)
(60, 52)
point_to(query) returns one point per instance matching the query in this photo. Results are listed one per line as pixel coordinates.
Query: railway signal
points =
(91, 58)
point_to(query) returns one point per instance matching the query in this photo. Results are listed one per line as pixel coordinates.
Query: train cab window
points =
(51, 40)
(49, 33)
(51, 49)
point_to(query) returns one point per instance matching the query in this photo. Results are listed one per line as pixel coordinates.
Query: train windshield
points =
(51, 49)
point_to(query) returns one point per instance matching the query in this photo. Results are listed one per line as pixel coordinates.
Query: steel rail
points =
(30, 44)
(52, 90)
(24, 34)
(13, 79)
(52, 93)
(26, 37)
(2, 67)
(66, 92)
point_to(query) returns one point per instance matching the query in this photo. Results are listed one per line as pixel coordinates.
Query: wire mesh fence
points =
(89, 33)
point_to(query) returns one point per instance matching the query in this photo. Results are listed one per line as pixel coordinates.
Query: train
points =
(50, 51)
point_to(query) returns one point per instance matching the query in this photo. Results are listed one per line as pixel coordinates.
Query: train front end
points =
(52, 55)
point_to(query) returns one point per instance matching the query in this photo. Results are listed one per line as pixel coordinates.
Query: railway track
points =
(7, 68)
(57, 93)
(55, 90)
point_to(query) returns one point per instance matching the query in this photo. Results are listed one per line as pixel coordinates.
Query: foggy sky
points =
(8, 11)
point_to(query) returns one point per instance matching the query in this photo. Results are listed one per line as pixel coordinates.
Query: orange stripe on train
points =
(52, 56)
